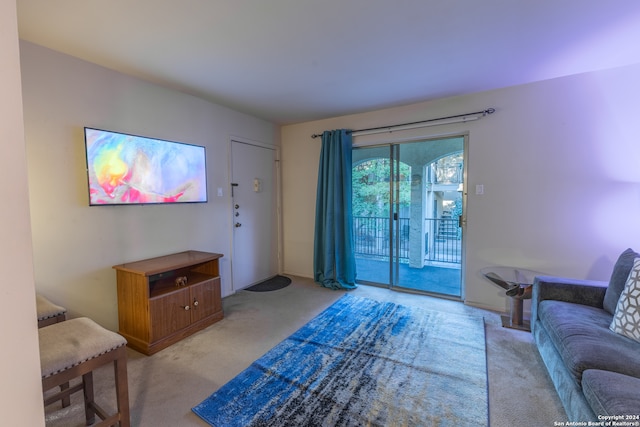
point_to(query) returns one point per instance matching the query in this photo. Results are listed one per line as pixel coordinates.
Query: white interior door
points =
(255, 222)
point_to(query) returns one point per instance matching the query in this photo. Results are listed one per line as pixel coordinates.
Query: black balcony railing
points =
(372, 236)
(445, 245)
(442, 239)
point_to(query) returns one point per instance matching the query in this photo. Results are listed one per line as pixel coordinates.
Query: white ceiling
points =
(291, 61)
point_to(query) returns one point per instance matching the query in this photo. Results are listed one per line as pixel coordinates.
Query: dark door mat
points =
(273, 284)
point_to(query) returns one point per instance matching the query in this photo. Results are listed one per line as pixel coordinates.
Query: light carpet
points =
(363, 362)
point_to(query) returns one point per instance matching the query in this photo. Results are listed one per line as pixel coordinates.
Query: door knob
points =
(238, 225)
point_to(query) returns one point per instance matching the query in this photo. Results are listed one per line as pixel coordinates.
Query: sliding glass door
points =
(372, 208)
(407, 204)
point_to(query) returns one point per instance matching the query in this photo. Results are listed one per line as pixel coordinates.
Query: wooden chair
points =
(48, 312)
(75, 348)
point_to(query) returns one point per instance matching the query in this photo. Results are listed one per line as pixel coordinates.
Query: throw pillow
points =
(618, 279)
(626, 320)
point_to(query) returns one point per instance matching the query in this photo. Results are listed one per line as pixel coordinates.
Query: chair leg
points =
(122, 386)
(66, 401)
(87, 387)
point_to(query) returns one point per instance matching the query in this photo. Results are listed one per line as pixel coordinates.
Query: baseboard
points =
(484, 307)
(503, 311)
(291, 273)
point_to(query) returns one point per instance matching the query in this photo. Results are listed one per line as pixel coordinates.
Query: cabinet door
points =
(205, 299)
(169, 313)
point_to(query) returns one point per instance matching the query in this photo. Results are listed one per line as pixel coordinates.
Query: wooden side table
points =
(165, 299)
(517, 282)
(515, 319)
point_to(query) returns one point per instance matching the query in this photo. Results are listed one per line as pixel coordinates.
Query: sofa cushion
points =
(618, 279)
(610, 393)
(582, 336)
(626, 319)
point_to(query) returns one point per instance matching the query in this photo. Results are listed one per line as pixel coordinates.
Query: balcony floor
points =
(435, 279)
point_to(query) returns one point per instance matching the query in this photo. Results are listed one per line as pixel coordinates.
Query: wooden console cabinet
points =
(157, 307)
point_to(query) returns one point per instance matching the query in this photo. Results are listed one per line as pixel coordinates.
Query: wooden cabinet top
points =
(151, 266)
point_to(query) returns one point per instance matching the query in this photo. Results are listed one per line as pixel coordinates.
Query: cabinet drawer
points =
(205, 298)
(169, 314)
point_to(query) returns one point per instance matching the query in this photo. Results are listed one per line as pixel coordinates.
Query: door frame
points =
(365, 142)
(277, 196)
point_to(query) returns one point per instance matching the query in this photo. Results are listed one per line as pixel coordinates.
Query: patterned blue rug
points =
(362, 362)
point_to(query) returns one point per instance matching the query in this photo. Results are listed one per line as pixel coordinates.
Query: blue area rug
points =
(362, 362)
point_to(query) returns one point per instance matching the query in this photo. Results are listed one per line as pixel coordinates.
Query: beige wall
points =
(75, 245)
(558, 161)
(20, 388)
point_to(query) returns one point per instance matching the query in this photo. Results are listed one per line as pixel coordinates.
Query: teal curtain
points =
(334, 262)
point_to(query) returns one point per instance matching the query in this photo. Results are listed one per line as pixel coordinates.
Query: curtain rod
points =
(424, 123)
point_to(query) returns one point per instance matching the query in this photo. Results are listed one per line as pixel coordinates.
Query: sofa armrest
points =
(585, 292)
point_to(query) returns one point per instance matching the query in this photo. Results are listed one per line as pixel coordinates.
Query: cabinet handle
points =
(186, 307)
(195, 302)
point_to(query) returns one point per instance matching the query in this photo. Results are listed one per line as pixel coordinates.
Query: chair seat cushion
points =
(582, 336)
(69, 343)
(610, 393)
(46, 309)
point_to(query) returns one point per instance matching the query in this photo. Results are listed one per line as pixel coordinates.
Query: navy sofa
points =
(596, 371)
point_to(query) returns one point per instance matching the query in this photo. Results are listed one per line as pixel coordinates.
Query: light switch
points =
(220, 194)
(479, 189)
